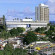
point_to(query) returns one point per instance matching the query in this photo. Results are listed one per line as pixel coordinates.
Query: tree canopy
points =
(17, 31)
(8, 50)
(30, 37)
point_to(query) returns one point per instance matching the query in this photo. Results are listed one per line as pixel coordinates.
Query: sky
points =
(24, 8)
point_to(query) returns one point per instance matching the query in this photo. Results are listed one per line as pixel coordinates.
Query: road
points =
(48, 51)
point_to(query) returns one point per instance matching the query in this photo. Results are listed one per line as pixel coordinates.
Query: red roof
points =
(36, 33)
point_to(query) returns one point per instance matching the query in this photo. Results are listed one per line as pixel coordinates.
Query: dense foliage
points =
(30, 37)
(51, 32)
(17, 31)
(5, 35)
(12, 33)
(3, 26)
(40, 30)
(8, 50)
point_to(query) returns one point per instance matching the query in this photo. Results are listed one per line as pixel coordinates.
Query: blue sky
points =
(24, 8)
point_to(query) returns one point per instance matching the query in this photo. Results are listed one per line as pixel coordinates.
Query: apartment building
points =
(42, 13)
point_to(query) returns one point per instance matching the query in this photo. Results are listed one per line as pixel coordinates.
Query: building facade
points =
(1, 21)
(41, 19)
(32, 24)
(42, 13)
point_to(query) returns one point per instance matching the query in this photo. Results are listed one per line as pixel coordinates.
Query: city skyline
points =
(23, 8)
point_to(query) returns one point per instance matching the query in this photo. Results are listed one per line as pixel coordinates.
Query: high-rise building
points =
(42, 13)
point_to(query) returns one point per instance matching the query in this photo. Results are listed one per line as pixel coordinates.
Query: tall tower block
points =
(42, 13)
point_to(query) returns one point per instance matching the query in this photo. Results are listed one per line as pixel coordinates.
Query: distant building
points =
(41, 19)
(42, 13)
(1, 21)
(39, 34)
(2, 43)
(29, 19)
(16, 42)
(25, 24)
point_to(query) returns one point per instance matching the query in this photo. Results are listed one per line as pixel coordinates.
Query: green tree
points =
(20, 29)
(5, 35)
(34, 53)
(40, 30)
(4, 24)
(8, 49)
(14, 32)
(37, 29)
(30, 37)
(18, 51)
(53, 53)
(17, 31)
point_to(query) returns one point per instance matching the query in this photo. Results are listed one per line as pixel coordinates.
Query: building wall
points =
(46, 13)
(36, 13)
(38, 25)
(11, 26)
(42, 13)
(1, 21)
(27, 20)
(15, 24)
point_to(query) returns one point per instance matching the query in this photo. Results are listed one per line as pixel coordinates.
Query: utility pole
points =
(30, 49)
(52, 50)
(47, 51)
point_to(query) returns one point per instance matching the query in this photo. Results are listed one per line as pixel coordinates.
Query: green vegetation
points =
(51, 33)
(4, 23)
(34, 53)
(12, 33)
(40, 30)
(5, 35)
(8, 50)
(3, 26)
(30, 37)
(17, 31)
(54, 54)
(20, 29)
(18, 51)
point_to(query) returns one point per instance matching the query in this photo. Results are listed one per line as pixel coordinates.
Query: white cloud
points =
(18, 1)
(27, 12)
(52, 1)
(51, 4)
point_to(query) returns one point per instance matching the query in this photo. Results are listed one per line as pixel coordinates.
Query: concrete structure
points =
(1, 21)
(42, 13)
(16, 42)
(28, 24)
(2, 43)
(29, 19)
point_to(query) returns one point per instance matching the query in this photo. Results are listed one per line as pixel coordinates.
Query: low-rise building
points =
(43, 35)
(2, 43)
(39, 34)
(28, 19)
(25, 24)
(16, 42)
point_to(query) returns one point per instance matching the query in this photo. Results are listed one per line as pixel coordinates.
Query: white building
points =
(25, 24)
(41, 16)
(16, 42)
(29, 19)
(42, 13)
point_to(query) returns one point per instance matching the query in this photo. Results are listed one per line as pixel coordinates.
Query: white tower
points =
(42, 13)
